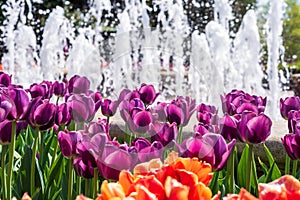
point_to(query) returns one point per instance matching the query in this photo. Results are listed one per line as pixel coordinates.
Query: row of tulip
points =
(34, 125)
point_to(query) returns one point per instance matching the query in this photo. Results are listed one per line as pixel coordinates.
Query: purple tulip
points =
(6, 105)
(82, 169)
(82, 107)
(207, 114)
(68, 141)
(89, 146)
(201, 129)
(43, 90)
(254, 128)
(134, 113)
(20, 100)
(147, 94)
(175, 114)
(228, 127)
(180, 110)
(294, 121)
(113, 160)
(5, 79)
(288, 104)
(42, 113)
(210, 147)
(163, 132)
(78, 85)
(97, 97)
(6, 128)
(63, 114)
(59, 89)
(159, 111)
(109, 107)
(147, 151)
(291, 143)
(237, 101)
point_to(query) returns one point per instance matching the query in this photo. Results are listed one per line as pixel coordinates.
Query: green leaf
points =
(263, 165)
(214, 183)
(54, 171)
(242, 166)
(275, 171)
(40, 173)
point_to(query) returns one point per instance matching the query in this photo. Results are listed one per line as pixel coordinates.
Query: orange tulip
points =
(111, 191)
(26, 196)
(175, 190)
(286, 187)
(82, 197)
(201, 169)
(243, 195)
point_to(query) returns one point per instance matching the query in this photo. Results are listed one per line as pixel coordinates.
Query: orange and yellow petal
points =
(200, 192)
(175, 190)
(110, 191)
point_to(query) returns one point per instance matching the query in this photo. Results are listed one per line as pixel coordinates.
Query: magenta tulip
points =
(291, 143)
(68, 141)
(288, 104)
(147, 93)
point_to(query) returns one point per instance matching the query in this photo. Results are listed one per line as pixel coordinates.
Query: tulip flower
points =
(78, 85)
(109, 107)
(82, 169)
(6, 128)
(228, 126)
(147, 93)
(210, 147)
(5, 79)
(291, 143)
(244, 194)
(284, 188)
(207, 114)
(288, 104)
(294, 121)
(165, 133)
(6, 105)
(90, 145)
(63, 114)
(43, 90)
(180, 110)
(134, 113)
(67, 141)
(42, 114)
(97, 97)
(20, 100)
(113, 160)
(146, 150)
(82, 107)
(59, 89)
(159, 112)
(237, 101)
(254, 128)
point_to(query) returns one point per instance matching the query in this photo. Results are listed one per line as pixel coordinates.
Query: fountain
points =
(172, 57)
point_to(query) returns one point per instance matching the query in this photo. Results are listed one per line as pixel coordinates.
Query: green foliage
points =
(291, 31)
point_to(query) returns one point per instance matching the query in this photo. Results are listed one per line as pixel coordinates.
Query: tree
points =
(291, 32)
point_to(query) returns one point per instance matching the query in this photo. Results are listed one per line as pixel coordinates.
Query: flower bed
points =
(53, 147)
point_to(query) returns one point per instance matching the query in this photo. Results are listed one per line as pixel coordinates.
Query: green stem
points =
(295, 164)
(3, 170)
(78, 185)
(230, 164)
(287, 164)
(70, 184)
(57, 100)
(95, 182)
(249, 167)
(11, 159)
(179, 137)
(41, 147)
(33, 157)
(54, 152)
(86, 187)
